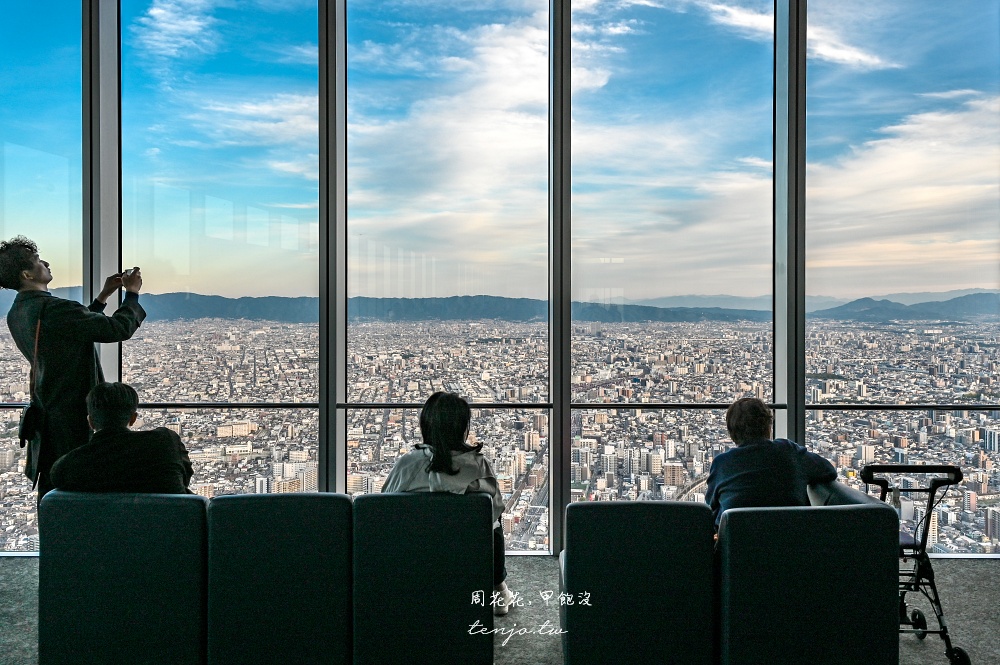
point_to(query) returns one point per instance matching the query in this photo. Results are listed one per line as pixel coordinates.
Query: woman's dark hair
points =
(748, 419)
(111, 404)
(15, 256)
(444, 424)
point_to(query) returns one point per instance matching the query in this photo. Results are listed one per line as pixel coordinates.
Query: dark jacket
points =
(68, 366)
(118, 459)
(764, 473)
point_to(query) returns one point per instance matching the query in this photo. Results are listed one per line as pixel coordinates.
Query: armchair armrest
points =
(835, 493)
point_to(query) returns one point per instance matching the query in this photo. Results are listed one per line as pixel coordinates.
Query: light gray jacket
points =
(475, 474)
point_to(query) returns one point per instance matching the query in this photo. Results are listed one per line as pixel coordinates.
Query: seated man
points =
(760, 472)
(118, 459)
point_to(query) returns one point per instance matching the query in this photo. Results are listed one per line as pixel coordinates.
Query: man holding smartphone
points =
(66, 366)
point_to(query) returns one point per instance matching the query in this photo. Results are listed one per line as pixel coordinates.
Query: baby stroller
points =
(915, 572)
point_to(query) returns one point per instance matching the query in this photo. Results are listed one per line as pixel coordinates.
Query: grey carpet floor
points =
(970, 591)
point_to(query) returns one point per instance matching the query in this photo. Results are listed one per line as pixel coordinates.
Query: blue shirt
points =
(764, 473)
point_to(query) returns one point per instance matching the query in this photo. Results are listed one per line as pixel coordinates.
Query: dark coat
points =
(764, 473)
(68, 365)
(118, 459)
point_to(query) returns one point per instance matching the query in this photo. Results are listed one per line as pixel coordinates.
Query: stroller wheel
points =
(919, 621)
(957, 656)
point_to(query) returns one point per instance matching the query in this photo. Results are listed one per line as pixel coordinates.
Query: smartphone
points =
(128, 272)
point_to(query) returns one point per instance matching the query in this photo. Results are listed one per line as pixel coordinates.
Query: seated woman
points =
(445, 463)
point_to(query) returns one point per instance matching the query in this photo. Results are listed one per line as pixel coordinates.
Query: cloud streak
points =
(913, 209)
(177, 29)
(464, 164)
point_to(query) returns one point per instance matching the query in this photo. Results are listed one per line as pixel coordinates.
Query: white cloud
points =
(621, 28)
(177, 29)
(280, 120)
(756, 162)
(305, 168)
(465, 164)
(826, 44)
(951, 94)
(294, 206)
(584, 78)
(298, 54)
(755, 24)
(752, 20)
(916, 209)
(825, 40)
(665, 198)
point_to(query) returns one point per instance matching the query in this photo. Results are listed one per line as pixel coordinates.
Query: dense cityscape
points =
(623, 451)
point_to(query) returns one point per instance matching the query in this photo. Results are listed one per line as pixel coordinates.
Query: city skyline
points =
(447, 149)
(626, 449)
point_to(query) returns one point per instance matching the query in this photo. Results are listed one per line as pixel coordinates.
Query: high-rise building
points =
(308, 478)
(7, 457)
(993, 523)
(356, 483)
(656, 462)
(532, 440)
(608, 463)
(632, 461)
(204, 489)
(286, 486)
(298, 456)
(674, 473)
(932, 529)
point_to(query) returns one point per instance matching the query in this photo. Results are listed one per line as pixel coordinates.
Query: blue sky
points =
(447, 113)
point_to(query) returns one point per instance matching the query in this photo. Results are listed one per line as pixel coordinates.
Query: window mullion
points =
(789, 215)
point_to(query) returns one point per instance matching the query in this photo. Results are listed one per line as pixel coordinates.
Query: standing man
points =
(67, 366)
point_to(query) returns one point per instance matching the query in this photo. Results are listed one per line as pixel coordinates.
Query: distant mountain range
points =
(813, 303)
(173, 306)
(963, 308)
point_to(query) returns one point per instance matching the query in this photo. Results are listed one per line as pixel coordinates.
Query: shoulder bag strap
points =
(34, 358)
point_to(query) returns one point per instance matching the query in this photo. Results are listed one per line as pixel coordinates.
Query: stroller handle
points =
(953, 475)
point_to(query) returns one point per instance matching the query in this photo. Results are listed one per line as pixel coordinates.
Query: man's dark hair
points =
(15, 256)
(444, 422)
(112, 404)
(748, 419)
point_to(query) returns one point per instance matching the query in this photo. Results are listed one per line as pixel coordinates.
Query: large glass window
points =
(851, 439)
(220, 209)
(903, 211)
(447, 230)
(641, 453)
(671, 219)
(240, 451)
(40, 197)
(447, 195)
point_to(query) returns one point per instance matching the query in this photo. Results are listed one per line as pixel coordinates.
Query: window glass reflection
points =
(447, 185)
(220, 173)
(40, 197)
(671, 159)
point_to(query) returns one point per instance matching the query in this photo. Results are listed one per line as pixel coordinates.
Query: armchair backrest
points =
(646, 569)
(121, 578)
(279, 565)
(419, 558)
(800, 585)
